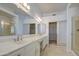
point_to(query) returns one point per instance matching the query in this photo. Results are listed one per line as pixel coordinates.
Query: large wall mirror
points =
(7, 26)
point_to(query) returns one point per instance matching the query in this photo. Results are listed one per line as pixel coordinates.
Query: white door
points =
(75, 34)
(52, 31)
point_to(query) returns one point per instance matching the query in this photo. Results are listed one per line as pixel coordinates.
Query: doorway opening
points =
(52, 32)
(32, 28)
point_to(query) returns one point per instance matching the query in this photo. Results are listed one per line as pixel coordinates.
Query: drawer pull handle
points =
(18, 55)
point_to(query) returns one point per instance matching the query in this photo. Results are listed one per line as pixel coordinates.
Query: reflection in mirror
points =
(29, 28)
(6, 26)
(25, 29)
(41, 28)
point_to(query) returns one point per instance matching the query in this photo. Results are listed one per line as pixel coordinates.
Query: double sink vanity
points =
(21, 34)
(27, 45)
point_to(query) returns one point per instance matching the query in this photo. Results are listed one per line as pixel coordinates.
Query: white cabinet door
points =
(32, 49)
(37, 49)
(45, 42)
(19, 52)
(29, 50)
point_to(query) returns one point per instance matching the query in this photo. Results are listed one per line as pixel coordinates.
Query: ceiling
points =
(14, 8)
(51, 7)
(43, 7)
(2, 13)
(74, 5)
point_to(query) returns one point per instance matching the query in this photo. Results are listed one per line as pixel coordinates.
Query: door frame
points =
(57, 31)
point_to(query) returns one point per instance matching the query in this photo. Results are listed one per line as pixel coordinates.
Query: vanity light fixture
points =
(2, 23)
(38, 18)
(24, 6)
(7, 23)
(28, 7)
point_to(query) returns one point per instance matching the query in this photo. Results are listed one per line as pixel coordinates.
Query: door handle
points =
(77, 29)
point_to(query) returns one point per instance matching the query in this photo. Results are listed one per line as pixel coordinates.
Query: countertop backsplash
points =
(7, 38)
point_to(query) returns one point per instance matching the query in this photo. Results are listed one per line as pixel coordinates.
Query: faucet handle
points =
(14, 39)
(17, 38)
(20, 37)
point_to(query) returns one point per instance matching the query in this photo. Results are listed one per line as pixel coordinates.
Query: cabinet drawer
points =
(37, 49)
(18, 52)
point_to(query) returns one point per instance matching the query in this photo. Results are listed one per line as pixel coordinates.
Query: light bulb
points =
(28, 7)
(2, 22)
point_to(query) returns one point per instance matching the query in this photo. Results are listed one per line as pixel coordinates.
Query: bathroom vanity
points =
(30, 45)
(33, 38)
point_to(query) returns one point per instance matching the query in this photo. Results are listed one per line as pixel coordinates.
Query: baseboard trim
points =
(73, 53)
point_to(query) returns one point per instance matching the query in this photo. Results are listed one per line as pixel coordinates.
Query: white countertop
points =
(10, 46)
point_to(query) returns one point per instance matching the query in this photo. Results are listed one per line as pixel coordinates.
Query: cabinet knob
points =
(18, 55)
(77, 29)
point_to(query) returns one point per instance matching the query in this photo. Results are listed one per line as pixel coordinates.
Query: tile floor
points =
(54, 50)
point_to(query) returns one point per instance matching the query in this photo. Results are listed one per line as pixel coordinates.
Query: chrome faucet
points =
(18, 38)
